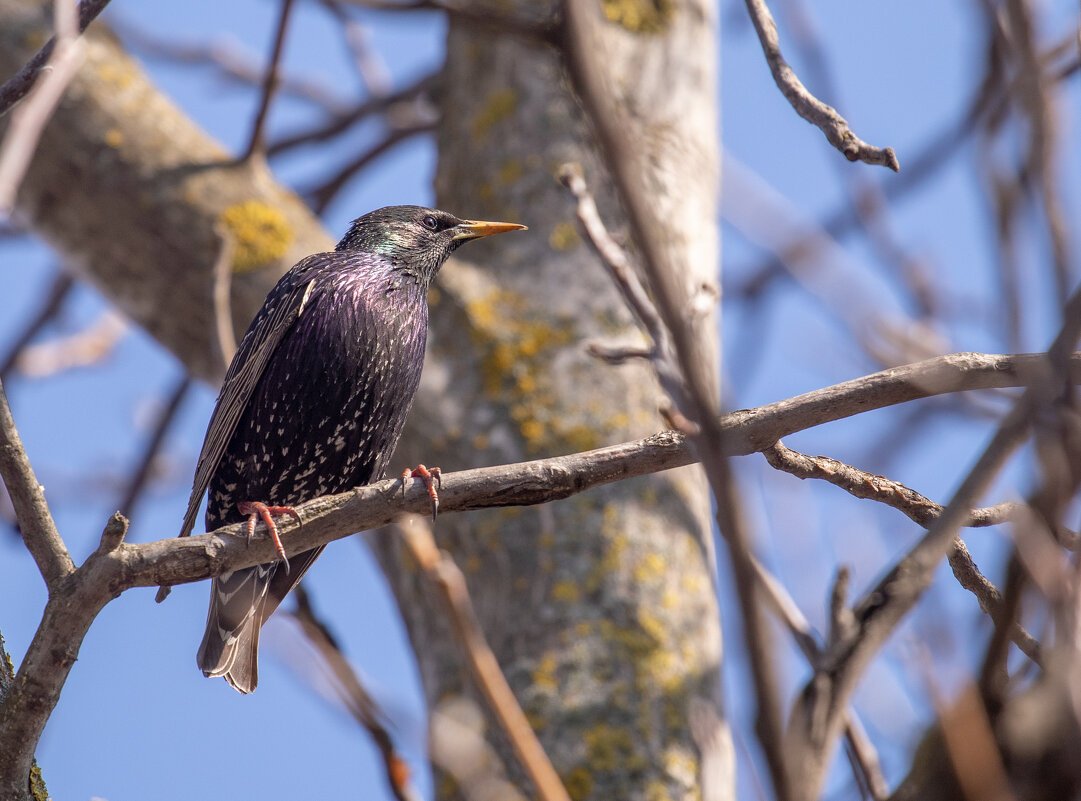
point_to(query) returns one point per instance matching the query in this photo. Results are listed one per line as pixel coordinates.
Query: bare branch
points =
(118, 566)
(322, 195)
(16, 88)
(454, 595)
(28, 121)
(28, 498)
(223, 295)
(270, 84)
(808, 106)
(923, 511)
(50, 308)
(817, 716)
(141, 476)
(344, 121)
(354, 696)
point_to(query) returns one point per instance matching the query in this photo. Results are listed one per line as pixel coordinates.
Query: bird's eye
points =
(431, 222)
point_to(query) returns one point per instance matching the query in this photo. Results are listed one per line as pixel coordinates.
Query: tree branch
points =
(28, 499)
(819, 114)
(19, 85)
(448, 580)
(256, 143)
(28, 121)
(118, 566)
(818, 713)
(922, 510)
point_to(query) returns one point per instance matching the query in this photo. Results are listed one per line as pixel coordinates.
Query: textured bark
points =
(130, 192)
(600, 608)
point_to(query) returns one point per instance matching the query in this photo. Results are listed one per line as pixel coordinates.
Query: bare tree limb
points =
(50, 307)
(28, 121)
(256, 143)
(920, 509)
(31, 509)
(817, 716)
(808, 106)
(141, 476)
(17, 87)
(117, 566)
(626, 149)
(450, 584)
(354, 696)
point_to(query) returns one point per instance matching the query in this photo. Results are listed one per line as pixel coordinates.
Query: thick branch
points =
(117, 566)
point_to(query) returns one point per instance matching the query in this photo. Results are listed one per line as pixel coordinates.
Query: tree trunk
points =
(601, 609)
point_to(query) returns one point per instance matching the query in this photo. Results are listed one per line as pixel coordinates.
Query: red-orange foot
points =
(260, 511)
(431, 477)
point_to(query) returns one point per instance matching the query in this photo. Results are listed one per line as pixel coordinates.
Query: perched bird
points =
(314, 402)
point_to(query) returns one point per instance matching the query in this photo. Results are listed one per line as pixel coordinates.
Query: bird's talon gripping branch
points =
(432, 477)
(257, 511)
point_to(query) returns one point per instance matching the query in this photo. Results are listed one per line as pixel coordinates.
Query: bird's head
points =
(416, 239)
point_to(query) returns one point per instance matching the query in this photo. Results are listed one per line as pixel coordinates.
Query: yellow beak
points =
(475, 229)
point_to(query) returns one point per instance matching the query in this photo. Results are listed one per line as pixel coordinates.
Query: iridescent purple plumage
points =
(315, 399)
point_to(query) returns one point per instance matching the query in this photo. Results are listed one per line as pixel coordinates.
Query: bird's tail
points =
(230, 646)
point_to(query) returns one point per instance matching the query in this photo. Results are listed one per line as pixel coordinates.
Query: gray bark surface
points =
(600, 608)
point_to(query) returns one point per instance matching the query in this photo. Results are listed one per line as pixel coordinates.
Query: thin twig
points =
(141, 476)
(324, 193)
(231, 62)
(50, 307)
(450, 583)
(29, 120)
(28, 498)
(816, 720)
(808, 106)
(19, 85)
(922, 510)
(223, 300)
(354, 696)
(270, 84)
(343, 122)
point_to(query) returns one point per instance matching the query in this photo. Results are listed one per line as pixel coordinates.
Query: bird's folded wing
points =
(281, 310)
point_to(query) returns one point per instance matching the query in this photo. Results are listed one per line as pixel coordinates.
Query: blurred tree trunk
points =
(600, 608)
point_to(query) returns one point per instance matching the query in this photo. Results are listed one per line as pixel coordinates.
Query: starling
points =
(314, 401)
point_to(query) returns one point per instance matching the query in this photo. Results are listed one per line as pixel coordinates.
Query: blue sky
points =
(138, 720)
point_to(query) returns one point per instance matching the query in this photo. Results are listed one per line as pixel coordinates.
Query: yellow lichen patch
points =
(564, 236)
(579, 783)
(656, 791)
(261, 232)
(501, 104)
(114, 137)
(544, 675)
(681, 766)
(566, 591)
(640, 16)
(607, 747)
(518, 351)
(115, 74)
(651, 567)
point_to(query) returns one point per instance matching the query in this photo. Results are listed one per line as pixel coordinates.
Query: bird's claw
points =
(260, 511)
(431, 476)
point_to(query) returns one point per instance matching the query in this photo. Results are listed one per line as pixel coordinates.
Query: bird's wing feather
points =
(282, 308)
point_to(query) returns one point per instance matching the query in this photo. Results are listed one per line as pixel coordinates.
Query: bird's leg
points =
(259, 511)
(431, 476)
